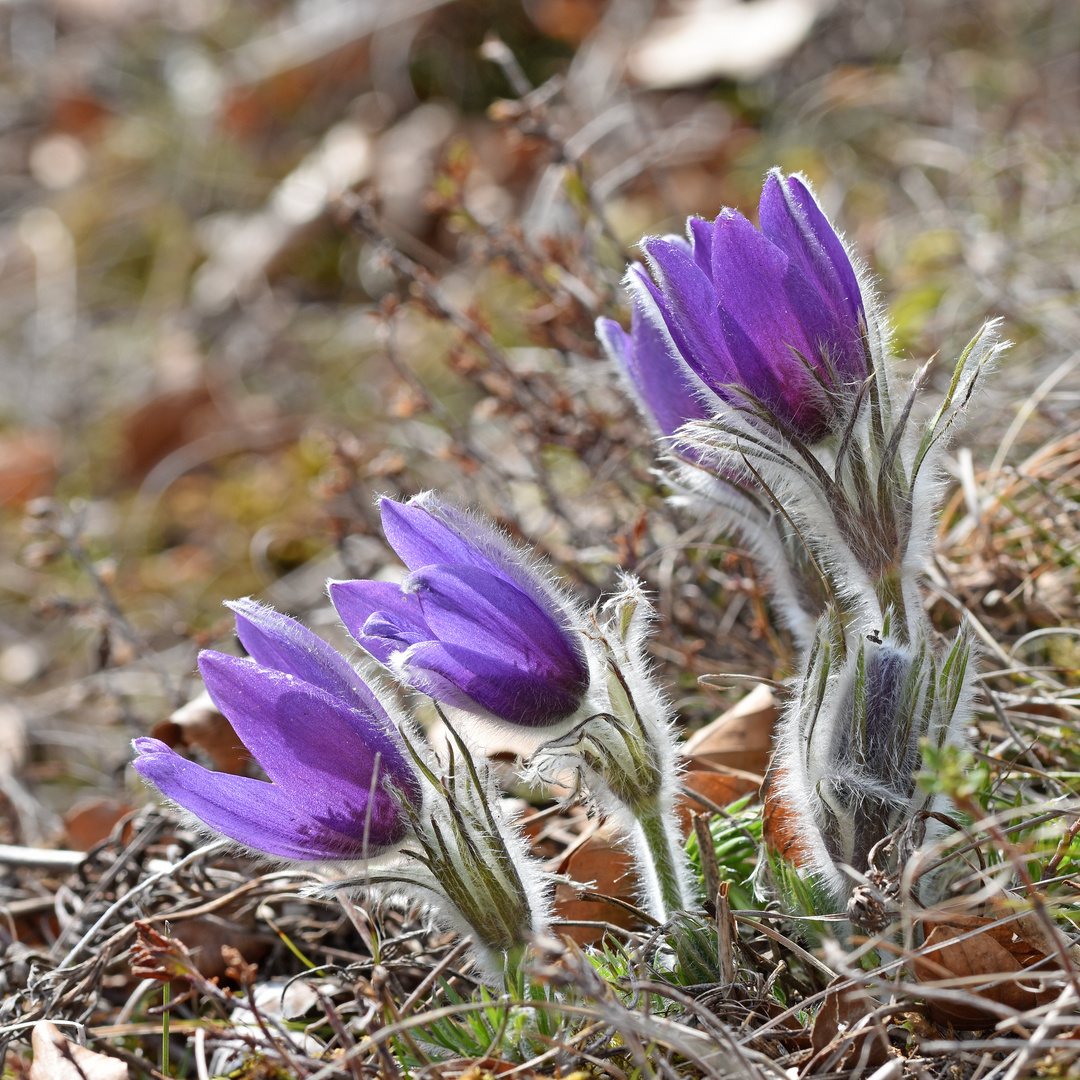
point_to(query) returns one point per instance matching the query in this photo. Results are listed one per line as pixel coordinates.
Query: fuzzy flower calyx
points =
(341, 781)
(744, 344)
(849, 746)
(468, 863)
(625, 751)
(474, 625)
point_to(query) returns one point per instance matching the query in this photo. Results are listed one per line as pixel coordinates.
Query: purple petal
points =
(390, 625)
(616, 342)
(663, 384)
(791, 219)
(460, 617)
(477, 543)
(775, 315)
(359, 602)
(320, 751)
(262, 815)
(769, 315)
(275, 641)
(481, 612)
(751, 274)
(421, 539)
(689, 310)
(458, 676)
(700, 232)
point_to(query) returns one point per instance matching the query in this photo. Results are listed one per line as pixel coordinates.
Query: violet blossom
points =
(341, 782)
(835, 485)
(347, 785)
(770, 320)
(669, 395)
(475, 625)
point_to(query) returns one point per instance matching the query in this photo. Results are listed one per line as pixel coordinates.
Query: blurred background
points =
(262, 261)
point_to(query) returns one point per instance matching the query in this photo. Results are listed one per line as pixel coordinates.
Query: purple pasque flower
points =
(474, 625)
(771, 318)
(340, 776)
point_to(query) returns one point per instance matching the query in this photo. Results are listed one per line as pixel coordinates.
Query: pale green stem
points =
(166, 996)
(665, 851)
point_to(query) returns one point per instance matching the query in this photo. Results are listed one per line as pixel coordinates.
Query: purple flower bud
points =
(474, 625)
(337, 766)
(773, 317)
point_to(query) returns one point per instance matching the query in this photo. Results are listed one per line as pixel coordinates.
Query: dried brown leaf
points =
(740, 738)
(237, 968)
(165, 423)
(841, 1010)
(720, 787)
(779, 826)
(996, 955)
(567, 20)
(205, 936)
(92, 820)
(29, 466)
(156, 956)
(606, 868)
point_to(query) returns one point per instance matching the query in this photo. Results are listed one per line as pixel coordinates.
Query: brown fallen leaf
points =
(719, 783)
(56, 1057)
(841, 1010)
(165, 423)
(77, 110)
(277, 83)
(92, 820)
(482, 1069)
(997, 955)
(199, 725)
(205, 936)
(238, 968)
(719, 786)
(196, 950)
(567, 20)
(740, 738)
(158, 956)
(602, 866)
(1033, 932)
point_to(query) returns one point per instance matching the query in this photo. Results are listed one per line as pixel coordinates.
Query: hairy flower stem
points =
(622, 764)
(664, 856)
